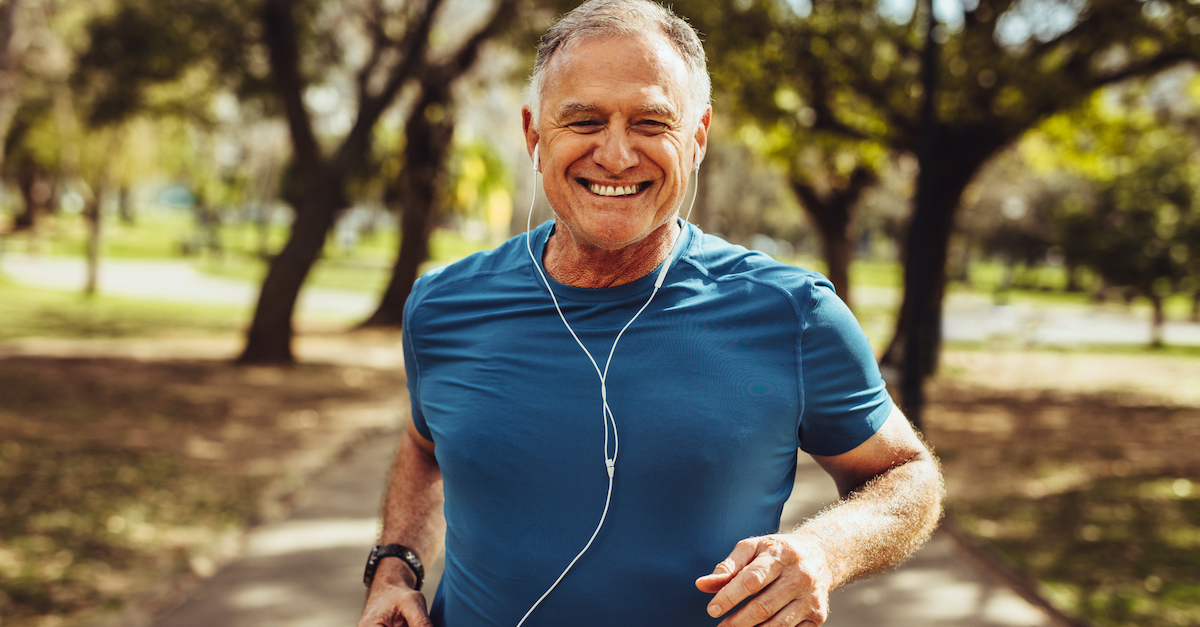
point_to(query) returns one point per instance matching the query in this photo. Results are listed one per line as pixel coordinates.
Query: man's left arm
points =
(891, 489)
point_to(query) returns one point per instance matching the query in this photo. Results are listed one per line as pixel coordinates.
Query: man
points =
(555, 370)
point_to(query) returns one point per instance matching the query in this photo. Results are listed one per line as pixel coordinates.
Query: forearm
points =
(412, 513)
(879, 523)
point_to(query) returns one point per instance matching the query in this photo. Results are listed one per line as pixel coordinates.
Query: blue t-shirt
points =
(739, 361)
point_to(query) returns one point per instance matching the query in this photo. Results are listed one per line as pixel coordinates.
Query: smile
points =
(618, 190)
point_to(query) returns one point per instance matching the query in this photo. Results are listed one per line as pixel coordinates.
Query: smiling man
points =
(609, 405)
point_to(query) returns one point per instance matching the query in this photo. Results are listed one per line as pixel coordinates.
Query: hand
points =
(787, 575)
(392, 602)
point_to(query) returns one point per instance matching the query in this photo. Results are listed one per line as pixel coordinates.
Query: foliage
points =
(1141, 226)
(852, 69)
(167, 57)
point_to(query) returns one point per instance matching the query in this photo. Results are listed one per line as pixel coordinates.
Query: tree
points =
(827, 172)
(419, 188)
(13, 43)
(278, 50)
(1005, 66)
(1142, 231)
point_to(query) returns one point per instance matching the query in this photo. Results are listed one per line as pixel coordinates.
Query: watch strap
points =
(393, 550)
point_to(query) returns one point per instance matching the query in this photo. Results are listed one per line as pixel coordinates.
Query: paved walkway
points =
(173, 281)
(306, 571)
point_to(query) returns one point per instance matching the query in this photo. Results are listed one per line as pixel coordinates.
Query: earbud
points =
(696, 158)
(537, 161)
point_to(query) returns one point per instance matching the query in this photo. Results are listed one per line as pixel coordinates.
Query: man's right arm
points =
(413, 517)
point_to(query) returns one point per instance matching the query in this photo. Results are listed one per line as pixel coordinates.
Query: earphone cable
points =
(608, 417)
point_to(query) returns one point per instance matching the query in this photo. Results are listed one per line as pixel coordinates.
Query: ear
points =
(702, 137)
(531, 135)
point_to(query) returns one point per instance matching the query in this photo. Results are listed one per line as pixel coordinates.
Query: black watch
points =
(393, 550)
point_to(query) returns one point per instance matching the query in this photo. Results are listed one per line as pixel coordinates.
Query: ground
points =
(119, 474)
(1083, 471)
(123, 478)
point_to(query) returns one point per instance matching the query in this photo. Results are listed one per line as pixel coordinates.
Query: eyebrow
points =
(587, 107)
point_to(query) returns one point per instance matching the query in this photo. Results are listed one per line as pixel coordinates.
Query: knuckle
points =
(787, 618)
(755, 578)
(759, 609)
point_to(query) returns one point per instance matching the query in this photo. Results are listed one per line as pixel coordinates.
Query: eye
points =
(652, 126)
(585, 126)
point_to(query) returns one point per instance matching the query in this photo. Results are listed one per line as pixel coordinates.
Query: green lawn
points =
(168, 233)
(32, 312)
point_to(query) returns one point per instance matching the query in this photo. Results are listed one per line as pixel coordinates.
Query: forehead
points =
(603, 72)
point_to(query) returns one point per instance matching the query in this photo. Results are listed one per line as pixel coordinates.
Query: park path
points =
(306, 571)
(968, 317)
(173, 281)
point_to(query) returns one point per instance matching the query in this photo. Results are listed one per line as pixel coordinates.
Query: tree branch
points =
(413, 47)
(279, 34)
(379, 42)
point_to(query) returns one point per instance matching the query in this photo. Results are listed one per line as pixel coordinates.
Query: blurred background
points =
(212, 211)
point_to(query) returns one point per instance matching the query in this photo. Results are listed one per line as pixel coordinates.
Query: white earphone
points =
(610, 422)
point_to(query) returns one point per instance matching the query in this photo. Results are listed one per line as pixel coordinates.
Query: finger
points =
(743, 552)
(750, 580)
(712, 583)
(797, 613)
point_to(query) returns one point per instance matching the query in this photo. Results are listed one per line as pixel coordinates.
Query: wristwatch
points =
(393, 550)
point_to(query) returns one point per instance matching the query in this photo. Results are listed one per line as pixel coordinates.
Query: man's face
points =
(617, 137)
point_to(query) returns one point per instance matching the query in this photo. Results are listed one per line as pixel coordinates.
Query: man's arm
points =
(413, 517)
(891, 489)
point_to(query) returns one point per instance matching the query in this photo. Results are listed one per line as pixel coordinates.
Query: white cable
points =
(609, 420)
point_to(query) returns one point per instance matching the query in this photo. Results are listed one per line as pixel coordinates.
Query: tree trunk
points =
(418, 190)
(11, 50)
(125, 205)
(1072, 270)
(320, 194)
(1156, 326)
(35, 194)
(269, 340)
(960, 155)
(832, 213)
(91, 214)
(839, 252)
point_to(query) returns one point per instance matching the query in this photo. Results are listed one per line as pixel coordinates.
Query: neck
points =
(574, 262)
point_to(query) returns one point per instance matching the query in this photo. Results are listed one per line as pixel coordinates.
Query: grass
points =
(1093, 495)
(85, 512)
(32, 312)
(80, 520)
(119, 477)
(1120, 552)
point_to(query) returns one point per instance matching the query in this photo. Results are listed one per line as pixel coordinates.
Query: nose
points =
(615, 152)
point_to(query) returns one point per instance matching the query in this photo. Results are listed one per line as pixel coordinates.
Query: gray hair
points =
(611, 18)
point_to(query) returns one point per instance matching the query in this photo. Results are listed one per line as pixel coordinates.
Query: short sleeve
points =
(412, 367)
(844, 399)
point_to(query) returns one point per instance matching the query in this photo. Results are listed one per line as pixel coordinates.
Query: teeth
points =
(609, 190)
